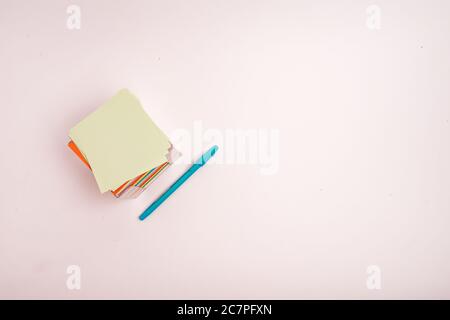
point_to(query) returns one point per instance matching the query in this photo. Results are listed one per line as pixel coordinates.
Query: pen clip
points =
(207, 155)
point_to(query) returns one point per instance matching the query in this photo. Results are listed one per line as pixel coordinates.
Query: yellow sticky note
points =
(120, 141)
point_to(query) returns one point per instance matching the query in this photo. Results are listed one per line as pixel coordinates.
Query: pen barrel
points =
(169, 191)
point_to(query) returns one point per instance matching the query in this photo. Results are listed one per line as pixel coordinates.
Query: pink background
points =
(364, 174)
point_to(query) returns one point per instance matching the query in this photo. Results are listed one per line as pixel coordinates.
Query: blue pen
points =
(197, 165)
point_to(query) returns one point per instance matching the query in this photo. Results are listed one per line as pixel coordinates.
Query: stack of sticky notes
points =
(122, 146)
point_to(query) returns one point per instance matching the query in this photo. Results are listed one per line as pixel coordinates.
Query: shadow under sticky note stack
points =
(122, 146)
